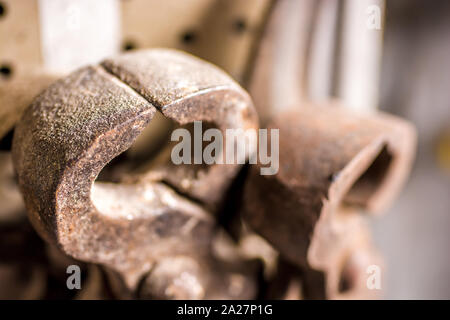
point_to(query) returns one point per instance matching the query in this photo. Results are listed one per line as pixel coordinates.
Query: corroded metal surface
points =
(329, 158)
(81, 122)
(187, 90)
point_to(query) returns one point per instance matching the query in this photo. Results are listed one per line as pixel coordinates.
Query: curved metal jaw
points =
(83, 121)
(330, 158)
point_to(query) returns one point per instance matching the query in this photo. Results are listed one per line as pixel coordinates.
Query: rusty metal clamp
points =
(330, 158)
(83, 121)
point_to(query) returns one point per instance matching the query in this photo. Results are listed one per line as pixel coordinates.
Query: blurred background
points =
(399, 66)
(415, 77)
